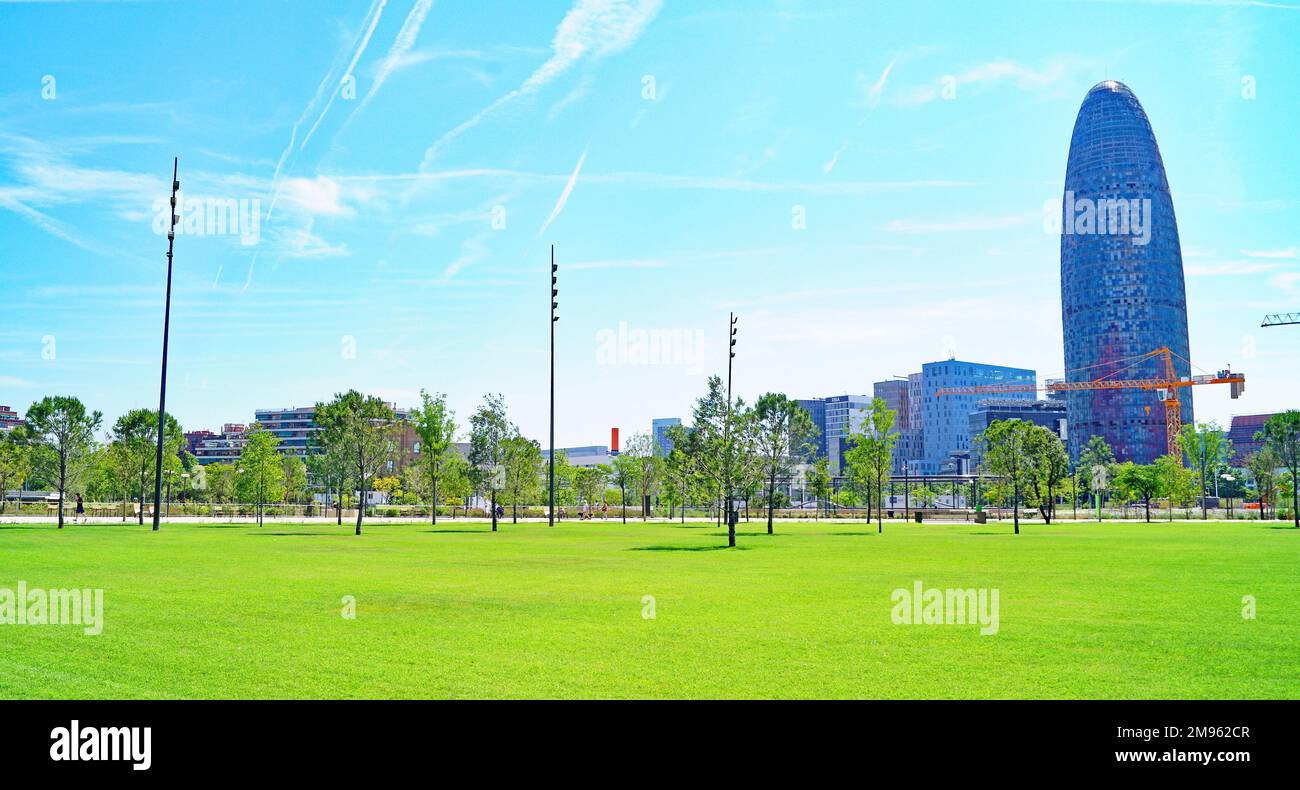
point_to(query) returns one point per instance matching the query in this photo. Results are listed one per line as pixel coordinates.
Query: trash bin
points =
(919, 516)
(981, 517)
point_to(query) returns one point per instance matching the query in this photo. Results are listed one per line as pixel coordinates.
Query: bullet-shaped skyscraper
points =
(1122, 290)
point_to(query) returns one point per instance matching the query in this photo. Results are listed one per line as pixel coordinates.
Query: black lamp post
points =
(162, 388)
(551, 466)
(726, 436)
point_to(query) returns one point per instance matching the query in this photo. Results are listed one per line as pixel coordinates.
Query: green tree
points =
(871, 456)
(523, 466)
(436, 426)
(1281, 435)
(623, 474)
(1095, 453)
(1207, 448)
(717, 446)
(565, 474)
(1006, 449)
(819, 482)
(136, 435)
(390, 485)
(783, 432)
(925, 496)
(329, 468)
(1048, 467)
(360, 429)
(457, 484)
(649, 468)
(260, 475)
(677, 478)
(1139, 481)
(295, 479)
(15, 464)
(62, 424)
(221, 483)
(489, 434)
(590, 482)
(1263, 465)
(1176, 481)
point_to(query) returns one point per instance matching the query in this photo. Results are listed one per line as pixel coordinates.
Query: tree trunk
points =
(1204, 514)
(880, 506)
(1015, 507)
(361, 505)
(1295, 498)
(494, 511)
(771, 501)
(433, 505)
(1148, 504)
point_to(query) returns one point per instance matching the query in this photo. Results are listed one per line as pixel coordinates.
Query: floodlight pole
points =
(167, 317)
(726, 434)
(551, 466)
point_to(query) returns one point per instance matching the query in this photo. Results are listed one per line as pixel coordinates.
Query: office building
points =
(946, 420)
(588, 455)
(663, 444)
(1241, 432)
(816, 408)
(1122, 290)
(1050, 414)
(845, 415)
(9, 419)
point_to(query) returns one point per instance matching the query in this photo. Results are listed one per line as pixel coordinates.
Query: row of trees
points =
(1032, 462)
(732, 452)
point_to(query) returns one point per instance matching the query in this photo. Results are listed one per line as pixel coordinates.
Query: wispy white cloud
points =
(1026, 78)
(591, 29)
(378, 10)
(1288, 253)
(472, 250)
(1288, 282)
(399, 53)
(332, 79)
(650, 180)
(834, 160)
(875, 89)
(319, 195)
(564, 196)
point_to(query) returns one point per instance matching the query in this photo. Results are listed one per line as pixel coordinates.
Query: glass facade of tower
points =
(1122, 291)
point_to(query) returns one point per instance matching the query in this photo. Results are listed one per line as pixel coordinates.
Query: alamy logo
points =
(37, 606)
(635, 346)
(1104, 217)
(91, 744)
(212, 217)
(933, 606)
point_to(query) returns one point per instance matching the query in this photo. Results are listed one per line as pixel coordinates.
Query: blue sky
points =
(799, 163)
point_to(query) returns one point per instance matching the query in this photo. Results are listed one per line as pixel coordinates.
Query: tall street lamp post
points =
(555, 292)
(726, 437)
(167, 317)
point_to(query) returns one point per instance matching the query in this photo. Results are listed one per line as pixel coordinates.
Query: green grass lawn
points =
(1109, 611)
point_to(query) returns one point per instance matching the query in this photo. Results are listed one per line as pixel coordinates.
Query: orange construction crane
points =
(1166, 387)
